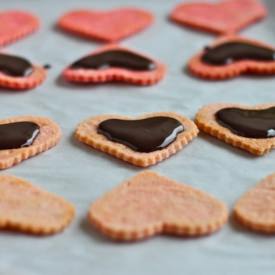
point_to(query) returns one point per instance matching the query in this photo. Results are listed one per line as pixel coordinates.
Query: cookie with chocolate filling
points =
(251, 128)
(114, 63)
(149, 204)
(28, 209)
(255, 209)
(16, 24)
(109, 26)
(142, 141)
(18, 73)
(223, 17)
(22, 137)
(232, 56)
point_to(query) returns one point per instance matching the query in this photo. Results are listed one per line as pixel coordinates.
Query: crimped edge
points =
(126, 154)
(23, 83)
(38, 230)
(253, 226)
(35, 149)
(157, 229)
(256, 147)
(115, 74)
(202, 70)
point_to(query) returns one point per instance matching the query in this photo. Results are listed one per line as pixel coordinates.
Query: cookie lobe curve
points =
(29, 209)
(255, 209)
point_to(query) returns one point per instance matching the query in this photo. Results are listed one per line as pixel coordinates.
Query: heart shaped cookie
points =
(249, 128)
(232, 56)
(18, 73)
(29, 209)
(22, 137)
(15, 25)
(144, 141)
(107, 26)
(149, 204)
(114, 63)
(255, 209)
(224, 17)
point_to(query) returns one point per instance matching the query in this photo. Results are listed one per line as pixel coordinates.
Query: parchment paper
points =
(81, 175)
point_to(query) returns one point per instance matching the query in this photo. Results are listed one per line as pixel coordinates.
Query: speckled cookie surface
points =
(255, 209)
(16, 24)
(150, 204)
(109, 26)
(29, 209)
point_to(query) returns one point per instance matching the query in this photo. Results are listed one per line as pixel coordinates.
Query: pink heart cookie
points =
(224, 17)
(149, 204)
(15, 25)
(116, 74)
(108, 26)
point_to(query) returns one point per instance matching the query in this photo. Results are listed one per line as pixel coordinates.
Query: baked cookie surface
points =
(255, 209)
(16, 24)
(149, 204)
(109, 26)
(49, 135)
(223, 17)
(87, 132)
(29, 209)
(245, 120)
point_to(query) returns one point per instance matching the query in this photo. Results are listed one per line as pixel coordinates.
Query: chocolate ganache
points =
(142, 135)
(230, 52)
(115, 59)
(18, 134)
(248, 123)
(15, 66)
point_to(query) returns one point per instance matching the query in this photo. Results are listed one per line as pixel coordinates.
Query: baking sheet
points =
(81, 175)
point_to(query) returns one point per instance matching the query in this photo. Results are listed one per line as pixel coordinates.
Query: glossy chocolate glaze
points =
(115, 58)
(142, 135)
(230, 52)
(18, 134)
(15, 66)
(248, 123)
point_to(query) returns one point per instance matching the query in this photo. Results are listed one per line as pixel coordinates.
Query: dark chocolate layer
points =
(142, 135)
(115, 59)
(18, 134)
(248, 123)
(229, 52)
(15, 66)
